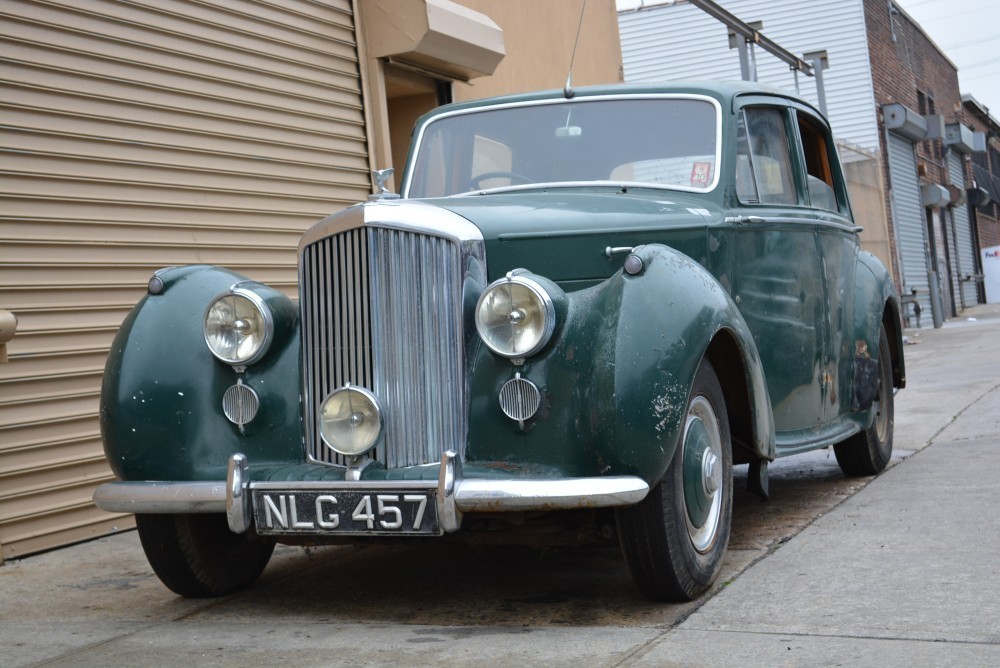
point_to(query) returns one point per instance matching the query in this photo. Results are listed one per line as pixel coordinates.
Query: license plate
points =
(395, 512)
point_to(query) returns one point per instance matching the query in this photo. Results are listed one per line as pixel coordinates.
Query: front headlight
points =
(515, 316)
(239, 327)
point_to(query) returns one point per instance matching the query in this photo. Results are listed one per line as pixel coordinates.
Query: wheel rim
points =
(702, 474)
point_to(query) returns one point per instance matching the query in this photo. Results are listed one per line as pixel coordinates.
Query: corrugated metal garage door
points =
(671, 42)
(964, 250)
(908, 222)
(137, 135)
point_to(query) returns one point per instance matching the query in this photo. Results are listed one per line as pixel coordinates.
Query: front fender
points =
(615, 383)
(161, 399)
(671, 314)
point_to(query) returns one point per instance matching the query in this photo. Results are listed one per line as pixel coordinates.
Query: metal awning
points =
(439, 37)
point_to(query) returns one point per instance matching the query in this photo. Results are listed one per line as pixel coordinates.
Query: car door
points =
(836, 236)
(778, 277)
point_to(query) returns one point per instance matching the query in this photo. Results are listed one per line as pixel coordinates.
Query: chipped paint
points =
(666, 412)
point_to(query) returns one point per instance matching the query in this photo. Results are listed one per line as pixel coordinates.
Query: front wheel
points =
(197, 556)
(674, 540)
(868, 452)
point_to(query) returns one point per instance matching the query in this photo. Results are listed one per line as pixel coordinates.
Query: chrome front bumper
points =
(455, 494)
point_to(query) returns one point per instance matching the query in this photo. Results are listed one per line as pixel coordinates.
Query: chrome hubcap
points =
(702, 475)
(711, 472)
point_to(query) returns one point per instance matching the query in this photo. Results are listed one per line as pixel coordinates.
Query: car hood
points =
(564, 234)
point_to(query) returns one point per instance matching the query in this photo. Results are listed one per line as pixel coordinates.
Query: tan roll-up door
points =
(137, 135)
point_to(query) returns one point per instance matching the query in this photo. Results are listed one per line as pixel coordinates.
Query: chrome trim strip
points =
(552, 185)
(341, 485)
(455, 494)
(485, 495)
(162, 497)
(842, 224)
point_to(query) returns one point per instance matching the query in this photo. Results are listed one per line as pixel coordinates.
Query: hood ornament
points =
(382, 177)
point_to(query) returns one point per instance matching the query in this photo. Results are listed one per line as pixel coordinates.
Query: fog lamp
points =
(350, 421)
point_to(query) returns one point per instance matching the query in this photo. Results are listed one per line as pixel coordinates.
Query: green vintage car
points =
(582, 310)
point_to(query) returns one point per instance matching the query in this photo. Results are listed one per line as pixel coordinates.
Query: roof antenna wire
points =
(568, 88)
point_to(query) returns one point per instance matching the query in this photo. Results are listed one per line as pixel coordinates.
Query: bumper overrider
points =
(373, 507)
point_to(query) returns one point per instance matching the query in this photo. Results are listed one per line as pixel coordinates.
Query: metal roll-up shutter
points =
(965, 252)
(909, 223)
(138, 135)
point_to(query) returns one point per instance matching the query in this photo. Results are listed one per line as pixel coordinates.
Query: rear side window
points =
(763, 161)
(819, 173)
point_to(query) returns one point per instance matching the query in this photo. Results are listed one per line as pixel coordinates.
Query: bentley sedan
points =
(582, 310)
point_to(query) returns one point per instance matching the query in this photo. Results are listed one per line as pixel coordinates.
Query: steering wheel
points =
(513, 176)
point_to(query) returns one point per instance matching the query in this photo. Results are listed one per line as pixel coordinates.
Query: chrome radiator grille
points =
(383, 308)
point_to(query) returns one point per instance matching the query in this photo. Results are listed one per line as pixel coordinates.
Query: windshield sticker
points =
(701, 174)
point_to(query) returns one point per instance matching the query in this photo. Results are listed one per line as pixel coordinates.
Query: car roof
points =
(724, 91)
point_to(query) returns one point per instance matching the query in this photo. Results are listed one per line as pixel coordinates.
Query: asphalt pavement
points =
(904, 571)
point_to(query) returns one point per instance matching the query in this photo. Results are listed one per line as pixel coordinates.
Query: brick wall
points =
(987, 218)
(907, 68)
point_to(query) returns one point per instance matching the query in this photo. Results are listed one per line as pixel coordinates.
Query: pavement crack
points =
(956, 416)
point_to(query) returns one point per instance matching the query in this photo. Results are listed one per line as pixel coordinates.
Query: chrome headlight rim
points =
(266, 316)
(377, 410)
(546, 303)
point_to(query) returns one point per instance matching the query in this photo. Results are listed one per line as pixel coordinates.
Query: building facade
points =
(908, 176)
(138, 135)
(984, 200)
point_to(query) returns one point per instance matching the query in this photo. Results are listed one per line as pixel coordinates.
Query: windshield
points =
(664, 141)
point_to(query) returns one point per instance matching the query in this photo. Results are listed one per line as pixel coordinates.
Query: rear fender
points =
(876, 305)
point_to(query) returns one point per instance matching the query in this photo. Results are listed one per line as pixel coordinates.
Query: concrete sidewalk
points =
(906, 572)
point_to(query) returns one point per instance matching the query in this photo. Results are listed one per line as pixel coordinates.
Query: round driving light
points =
(350, 421)
(239, 327)
(515, 317)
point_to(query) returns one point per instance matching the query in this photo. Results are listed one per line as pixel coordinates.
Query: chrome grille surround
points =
(387, 296)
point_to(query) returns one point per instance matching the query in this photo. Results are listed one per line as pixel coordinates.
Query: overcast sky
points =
(968, 31)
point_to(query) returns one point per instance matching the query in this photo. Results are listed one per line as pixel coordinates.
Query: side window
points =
(819, 173)
(763, 161)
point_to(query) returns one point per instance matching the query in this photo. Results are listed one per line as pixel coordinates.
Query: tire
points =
(197, 556)
(868, 452)
(674, 540)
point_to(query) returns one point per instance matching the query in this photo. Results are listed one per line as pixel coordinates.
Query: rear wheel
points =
(674, 539)
(868, 452)
(198, 556)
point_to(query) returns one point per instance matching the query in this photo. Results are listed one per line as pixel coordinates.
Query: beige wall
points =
(539, 37)
(862, 171)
